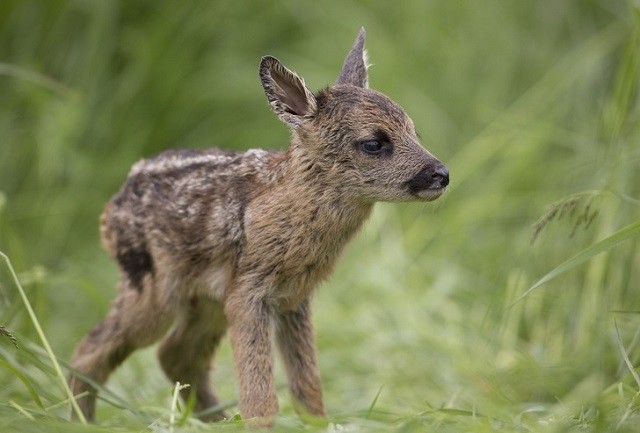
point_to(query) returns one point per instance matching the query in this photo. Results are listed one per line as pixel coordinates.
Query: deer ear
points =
(286, 92)
(354, 69)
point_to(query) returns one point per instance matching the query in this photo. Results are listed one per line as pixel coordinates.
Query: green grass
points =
(441, 317)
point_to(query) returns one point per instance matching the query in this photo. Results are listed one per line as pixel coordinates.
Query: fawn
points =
(208, 240)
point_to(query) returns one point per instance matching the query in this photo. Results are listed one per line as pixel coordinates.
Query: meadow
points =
(510, 305)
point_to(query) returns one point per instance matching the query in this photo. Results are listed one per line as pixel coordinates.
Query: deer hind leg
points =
(138, 317)
(186, 353)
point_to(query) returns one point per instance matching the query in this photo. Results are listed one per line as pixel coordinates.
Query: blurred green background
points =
(530, 103)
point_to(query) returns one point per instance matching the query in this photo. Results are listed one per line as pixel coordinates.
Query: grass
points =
(442, 317)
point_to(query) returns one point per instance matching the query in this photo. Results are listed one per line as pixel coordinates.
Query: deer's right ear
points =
(354, 69)
(286, 92)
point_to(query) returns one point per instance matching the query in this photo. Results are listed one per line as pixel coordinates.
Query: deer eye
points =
(372, 147)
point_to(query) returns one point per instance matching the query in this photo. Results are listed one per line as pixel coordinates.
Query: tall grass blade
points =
(634, 373)
(25, 381)
(627, 361)
(373, 403)
(20, 409)
(37, 78)
(43, 338)
(602, 246)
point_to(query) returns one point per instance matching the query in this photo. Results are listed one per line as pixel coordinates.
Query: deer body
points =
(209, 241)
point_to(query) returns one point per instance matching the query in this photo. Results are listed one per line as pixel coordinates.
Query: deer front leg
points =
(250, 332)
(294, 334)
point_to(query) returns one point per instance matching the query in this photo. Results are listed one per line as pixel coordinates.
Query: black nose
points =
(434, 176)
(441, 175)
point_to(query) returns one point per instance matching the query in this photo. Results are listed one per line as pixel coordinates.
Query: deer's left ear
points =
(354, 69)
(287, 94)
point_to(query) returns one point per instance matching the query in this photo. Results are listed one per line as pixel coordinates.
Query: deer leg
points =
(186, 353)
(136, 319)
(295, 338)
(250, 332)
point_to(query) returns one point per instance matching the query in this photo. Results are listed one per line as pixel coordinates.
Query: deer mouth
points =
(429, 194)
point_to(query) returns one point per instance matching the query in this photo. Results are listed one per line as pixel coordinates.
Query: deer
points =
(210, 242)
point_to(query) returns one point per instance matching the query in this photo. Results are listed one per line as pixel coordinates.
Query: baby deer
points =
(208, 240)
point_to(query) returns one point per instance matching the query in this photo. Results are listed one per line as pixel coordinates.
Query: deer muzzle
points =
(430, 182)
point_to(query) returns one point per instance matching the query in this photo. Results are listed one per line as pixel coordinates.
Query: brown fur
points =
(209, 240)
